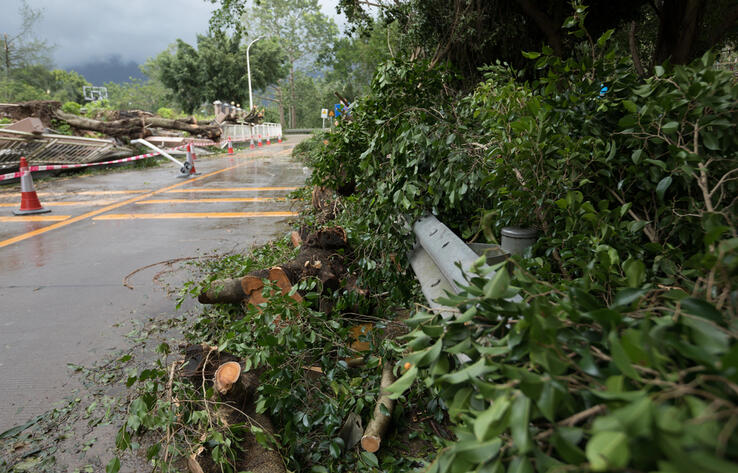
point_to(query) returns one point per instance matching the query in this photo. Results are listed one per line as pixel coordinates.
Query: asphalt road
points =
(62, 298)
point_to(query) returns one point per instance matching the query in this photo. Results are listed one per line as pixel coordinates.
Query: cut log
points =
(296, 239)
(252, 287)
(279, 277)
(223, 291)
(226, 374)
(377, 427)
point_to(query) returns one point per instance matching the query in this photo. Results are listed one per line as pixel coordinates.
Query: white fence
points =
(263, 131)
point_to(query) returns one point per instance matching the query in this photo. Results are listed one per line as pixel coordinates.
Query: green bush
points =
(622, 354)
(71, 107)
(166, 113)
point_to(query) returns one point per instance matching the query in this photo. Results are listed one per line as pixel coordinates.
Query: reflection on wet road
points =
(61, 273)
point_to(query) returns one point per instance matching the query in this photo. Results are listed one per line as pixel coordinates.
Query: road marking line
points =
(223, 199)
(179, 215)
(66, 204)
(35, 218)
(99, 211)
(233, 189)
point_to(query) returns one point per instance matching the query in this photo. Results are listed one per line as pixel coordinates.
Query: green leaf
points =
(113, 466)
(710, 141)
(520, 465)
(701, 308)
(662, 186)
(485, 420)
(620, 357)
(607, 451)
(403, 383)
(630, 106)
(475, 452)
(626, 297)
(519, 420)
(670, 127)
(531, 54)
(467, 374)
(495, 288)
(369, 458)
(635, 272)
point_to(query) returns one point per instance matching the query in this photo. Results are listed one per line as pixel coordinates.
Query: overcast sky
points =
(86, 31)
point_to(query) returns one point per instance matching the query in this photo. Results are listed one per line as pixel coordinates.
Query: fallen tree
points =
(124, 125)
(140, 126)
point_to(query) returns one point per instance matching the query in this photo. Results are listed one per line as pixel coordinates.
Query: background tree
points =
(216, 69)
(302, 30)
(23, 50)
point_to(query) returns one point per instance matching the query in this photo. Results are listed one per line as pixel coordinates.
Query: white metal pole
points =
(248, 72)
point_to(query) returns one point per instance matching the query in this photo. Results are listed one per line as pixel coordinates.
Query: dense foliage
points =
(472, 33)
(622, 354)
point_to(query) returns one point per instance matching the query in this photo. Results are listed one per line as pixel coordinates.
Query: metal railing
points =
(251, 132)
(441, 259)
(49, 149)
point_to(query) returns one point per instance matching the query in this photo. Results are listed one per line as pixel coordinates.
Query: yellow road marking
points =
(35, 218)
(223, 199)
(96, 212)
(66, 204)
(194, 215)
(233, 189)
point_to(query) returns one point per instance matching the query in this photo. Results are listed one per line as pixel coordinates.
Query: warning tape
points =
(55, 167)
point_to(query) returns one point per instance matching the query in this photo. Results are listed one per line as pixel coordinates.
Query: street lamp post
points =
(248, 72)
(251, 98)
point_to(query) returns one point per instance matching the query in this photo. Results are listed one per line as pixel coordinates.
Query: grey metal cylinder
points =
(515, 240)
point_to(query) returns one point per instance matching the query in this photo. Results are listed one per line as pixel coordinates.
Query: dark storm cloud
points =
(92, 30)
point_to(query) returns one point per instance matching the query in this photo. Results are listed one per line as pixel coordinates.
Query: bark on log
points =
(138, 127)
(296, 239)
(223, 291)
(377, 426)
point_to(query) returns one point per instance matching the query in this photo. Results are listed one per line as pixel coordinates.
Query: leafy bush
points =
(166, 113)
(622, 354)
(71, 107)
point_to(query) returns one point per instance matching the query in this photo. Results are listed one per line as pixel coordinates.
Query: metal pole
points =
(248, 72)
(158, 150)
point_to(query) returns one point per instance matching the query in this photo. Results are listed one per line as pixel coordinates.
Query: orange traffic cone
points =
(259, 142)
(230, 146)
(269, 135)
(29, 199)
(191, 157)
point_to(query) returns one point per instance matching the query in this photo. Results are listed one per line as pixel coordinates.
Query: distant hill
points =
(112, 69)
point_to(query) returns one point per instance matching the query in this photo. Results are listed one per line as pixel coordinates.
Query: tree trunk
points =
(293, 114)
(139, 127)
(678, 31)
(551, 29)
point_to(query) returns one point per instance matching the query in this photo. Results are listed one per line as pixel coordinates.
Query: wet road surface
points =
(61, 274)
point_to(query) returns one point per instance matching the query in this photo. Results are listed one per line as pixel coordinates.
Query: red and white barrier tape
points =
(55, 167)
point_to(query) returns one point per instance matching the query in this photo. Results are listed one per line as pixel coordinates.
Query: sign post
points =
(324, 115)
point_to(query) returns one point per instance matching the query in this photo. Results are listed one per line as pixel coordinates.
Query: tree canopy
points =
(216, 68)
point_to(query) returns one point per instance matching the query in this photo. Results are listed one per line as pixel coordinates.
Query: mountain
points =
(112, 69)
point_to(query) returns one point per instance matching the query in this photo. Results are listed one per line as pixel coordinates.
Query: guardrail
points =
(49, 148)
(440, 258)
